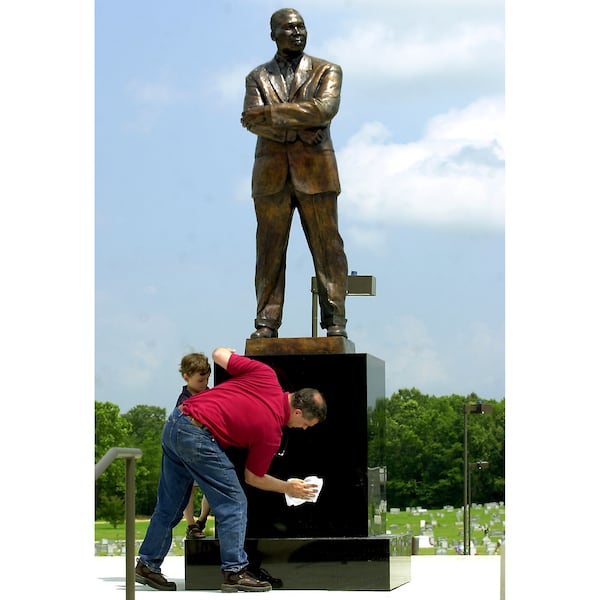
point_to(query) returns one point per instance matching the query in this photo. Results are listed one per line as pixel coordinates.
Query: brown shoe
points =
(155, 580)
(193, 532)
(243, 581)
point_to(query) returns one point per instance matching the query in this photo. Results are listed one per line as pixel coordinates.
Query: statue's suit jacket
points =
(284, 141)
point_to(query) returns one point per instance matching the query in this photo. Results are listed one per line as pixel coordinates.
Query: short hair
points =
(311, 403)
(196, 362)
(278, 16)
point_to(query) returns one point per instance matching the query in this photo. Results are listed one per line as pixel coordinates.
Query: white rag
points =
(291, 501)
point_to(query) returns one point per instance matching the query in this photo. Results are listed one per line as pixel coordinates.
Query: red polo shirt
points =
(247, 411)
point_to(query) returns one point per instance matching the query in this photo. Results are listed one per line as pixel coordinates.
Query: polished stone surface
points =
(336, 450)
(372, 563)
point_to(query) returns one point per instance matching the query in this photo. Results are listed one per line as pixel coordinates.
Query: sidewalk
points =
(432, 578)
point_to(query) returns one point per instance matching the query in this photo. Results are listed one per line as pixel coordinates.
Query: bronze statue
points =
(289, 104)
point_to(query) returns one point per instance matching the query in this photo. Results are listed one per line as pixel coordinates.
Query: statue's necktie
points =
(289, 78)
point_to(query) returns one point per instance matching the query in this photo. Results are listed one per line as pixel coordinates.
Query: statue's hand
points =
(316, 138)
(255, 115)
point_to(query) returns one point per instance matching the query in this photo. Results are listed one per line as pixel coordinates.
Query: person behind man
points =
(289, 104)
(195, 370)
(248, 410)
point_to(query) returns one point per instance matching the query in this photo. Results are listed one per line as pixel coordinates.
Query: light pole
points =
(480, 409)
(479, 465)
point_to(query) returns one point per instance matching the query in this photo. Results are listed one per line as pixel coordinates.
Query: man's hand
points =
(298, 488)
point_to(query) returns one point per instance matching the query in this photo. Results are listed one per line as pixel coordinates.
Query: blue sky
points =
(420, 144)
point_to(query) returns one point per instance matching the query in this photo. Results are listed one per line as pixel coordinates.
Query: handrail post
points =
(130, 455)
(129, 528)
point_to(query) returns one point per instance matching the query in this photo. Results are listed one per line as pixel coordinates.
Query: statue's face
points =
(290, 34)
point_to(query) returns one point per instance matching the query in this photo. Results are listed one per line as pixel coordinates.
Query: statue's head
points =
(288, 31)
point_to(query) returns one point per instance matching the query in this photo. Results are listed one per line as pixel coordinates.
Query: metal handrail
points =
(130, 455)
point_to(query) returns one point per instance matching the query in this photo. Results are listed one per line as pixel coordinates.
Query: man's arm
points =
(293, 487)
(221, 356)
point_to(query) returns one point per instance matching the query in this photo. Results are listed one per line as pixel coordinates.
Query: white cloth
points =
(291, 501)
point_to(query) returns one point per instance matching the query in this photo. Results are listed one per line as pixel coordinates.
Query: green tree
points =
(424, 449)
(404, 448)
(111, 430)
(442, 463)
(113, 510)
(146, 423)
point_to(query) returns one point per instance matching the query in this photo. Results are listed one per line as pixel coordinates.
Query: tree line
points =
(418, 438)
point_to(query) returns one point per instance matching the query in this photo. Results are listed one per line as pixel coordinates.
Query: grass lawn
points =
(440, 524)
(105, 531)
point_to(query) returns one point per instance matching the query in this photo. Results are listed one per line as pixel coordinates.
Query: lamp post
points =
(358, 285)
(479, 465)
(480, 409)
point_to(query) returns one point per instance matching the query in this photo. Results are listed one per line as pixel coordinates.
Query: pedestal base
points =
(357, 563)
(312, 345)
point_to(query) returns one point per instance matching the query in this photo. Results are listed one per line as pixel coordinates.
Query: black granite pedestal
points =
(348, 563)
(332, 543)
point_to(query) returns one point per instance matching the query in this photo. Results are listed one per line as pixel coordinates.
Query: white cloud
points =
(477, 124)
(382, 51)
(471, 360)
(452, 177)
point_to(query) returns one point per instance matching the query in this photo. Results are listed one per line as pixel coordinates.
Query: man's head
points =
(288, 32)
(307, 408)
(195, 370)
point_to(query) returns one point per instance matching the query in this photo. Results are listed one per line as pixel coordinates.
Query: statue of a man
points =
(289, 104)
